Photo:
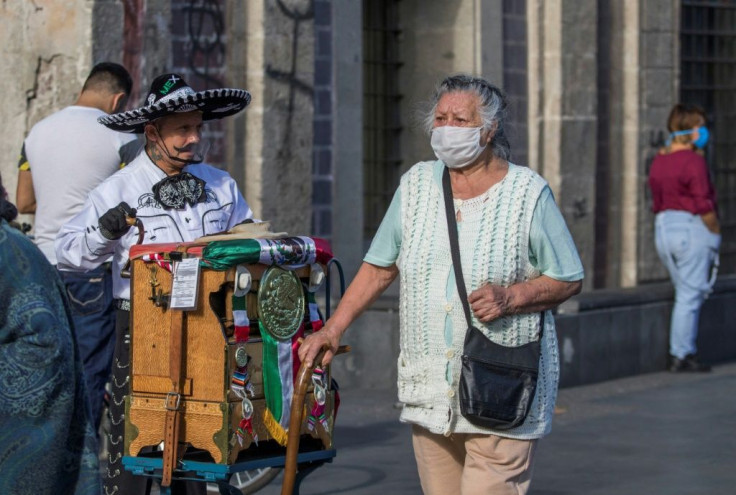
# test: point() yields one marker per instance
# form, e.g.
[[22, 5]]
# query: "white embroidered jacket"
[[80, 246]]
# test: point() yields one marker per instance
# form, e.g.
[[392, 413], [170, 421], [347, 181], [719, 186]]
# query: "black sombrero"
[[170, 94]]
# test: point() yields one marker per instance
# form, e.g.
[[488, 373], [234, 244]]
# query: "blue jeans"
[[90, 298], [688, 250]]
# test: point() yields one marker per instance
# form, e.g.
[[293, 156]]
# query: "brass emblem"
[[281, 302]]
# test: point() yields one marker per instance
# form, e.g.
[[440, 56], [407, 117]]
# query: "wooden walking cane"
[[303, 379]]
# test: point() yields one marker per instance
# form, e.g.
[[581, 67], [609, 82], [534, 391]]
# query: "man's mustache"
[[185, 149]]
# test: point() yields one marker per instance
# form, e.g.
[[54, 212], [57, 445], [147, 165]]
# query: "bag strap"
[[454, 247], [455, 251]]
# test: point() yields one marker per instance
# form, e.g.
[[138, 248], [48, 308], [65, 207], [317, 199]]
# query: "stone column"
[[271, 54], [628, 205], [640, 78], [562, 110], [438, 39], [659, 91], [490, 34]]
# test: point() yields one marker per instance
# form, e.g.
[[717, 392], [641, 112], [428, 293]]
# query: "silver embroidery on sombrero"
[[179, 93]]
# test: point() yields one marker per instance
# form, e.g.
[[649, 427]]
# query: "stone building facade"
[[264, 46], [338, 87], [590, 86]]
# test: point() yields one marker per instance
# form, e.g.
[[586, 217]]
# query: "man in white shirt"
[[174, 195], [63, 158]]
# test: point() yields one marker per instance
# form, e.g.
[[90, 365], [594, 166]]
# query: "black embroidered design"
[[177, 191], [147, 200]]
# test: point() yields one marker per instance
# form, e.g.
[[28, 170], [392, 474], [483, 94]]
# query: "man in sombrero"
[[177, 199]]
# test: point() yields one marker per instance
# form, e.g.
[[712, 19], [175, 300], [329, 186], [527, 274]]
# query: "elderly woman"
[[518, 259]]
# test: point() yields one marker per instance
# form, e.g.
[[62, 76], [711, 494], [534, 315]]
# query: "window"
[[708, 69], [381, 98]]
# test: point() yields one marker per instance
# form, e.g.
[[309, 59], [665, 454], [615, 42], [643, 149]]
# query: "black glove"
[[113, 223]]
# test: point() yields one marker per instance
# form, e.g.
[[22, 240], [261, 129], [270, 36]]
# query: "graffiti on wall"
[[198, 49], [205, 43]]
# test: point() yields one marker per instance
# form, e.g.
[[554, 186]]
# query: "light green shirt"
[[551, 248]]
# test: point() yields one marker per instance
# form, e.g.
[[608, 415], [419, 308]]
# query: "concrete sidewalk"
[[652, 434]]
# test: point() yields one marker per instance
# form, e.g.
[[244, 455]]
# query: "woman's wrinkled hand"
[[490, 302], [313, 344]]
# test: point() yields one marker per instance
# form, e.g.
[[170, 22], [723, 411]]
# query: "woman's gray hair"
[[492, 108]]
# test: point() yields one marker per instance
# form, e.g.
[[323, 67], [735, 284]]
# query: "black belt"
[[123, 304]]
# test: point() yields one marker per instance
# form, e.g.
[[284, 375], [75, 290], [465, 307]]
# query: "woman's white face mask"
[[458, 147]]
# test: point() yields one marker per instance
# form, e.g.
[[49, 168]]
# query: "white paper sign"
[[185, 285]]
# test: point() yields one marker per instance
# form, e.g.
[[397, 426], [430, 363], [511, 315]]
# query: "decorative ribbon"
[[221, 255], [240, 382], [318, 379], [158, 258], [289, 251], [315, 317], [317, 414], [280, 364], [240, 319], [246, 424], [320, 398]]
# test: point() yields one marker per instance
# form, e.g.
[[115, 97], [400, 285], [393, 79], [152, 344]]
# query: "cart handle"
[[303, 379], [133, 222]]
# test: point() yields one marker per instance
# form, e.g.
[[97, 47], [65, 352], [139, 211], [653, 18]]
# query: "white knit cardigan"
[[494, 245]]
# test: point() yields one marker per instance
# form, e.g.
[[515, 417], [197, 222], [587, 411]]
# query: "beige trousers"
[[466, 464]]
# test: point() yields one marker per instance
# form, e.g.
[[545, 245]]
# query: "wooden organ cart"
[[216, 386]]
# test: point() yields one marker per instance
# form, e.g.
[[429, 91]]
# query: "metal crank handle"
[[136, 222], [133, 222]]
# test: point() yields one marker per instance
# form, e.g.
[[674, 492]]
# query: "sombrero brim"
[[213, 103]]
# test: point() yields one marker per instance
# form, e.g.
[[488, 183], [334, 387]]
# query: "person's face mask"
[[457, 146], [703, 136]]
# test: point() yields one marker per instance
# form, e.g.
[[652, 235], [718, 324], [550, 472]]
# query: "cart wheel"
[[249, 481]]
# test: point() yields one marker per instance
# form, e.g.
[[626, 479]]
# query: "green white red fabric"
[[280, 364]]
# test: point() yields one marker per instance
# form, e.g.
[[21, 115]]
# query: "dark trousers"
[[117, 480], [93, 312]]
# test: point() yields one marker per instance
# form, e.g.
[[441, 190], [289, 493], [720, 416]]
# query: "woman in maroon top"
[[687, 231]]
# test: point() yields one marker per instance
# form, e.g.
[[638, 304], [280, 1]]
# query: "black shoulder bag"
[[497, 383]]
